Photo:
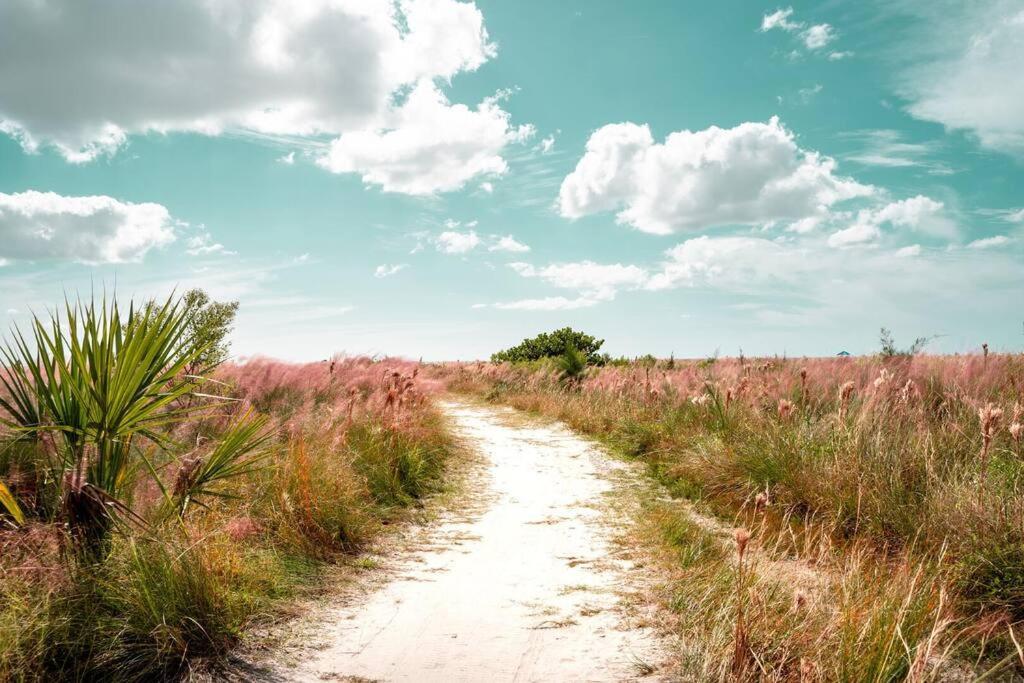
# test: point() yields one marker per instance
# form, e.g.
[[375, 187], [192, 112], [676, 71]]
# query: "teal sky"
[[440, 179]]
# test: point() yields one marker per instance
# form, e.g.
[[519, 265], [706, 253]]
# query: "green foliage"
[[92, 391], [162, 606], [209, 324], [140, 616], [993, 575], [572, 364], [8, 503], [552, 345], [889, 349], [636, 437], [237, 453], [398, 469], [647, 361]]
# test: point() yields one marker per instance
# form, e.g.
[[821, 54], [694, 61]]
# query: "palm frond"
[[8, 502], [239, 451]]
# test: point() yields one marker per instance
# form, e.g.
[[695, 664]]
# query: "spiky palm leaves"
[[91, 388], [572, 364], [238, 452]]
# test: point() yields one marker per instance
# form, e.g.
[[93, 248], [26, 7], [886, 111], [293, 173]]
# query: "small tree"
[[889, 349], [209, 325], [552, 345]]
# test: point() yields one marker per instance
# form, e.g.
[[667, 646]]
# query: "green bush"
[[552, 345]]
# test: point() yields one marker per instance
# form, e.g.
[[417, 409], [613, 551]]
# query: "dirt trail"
[[526, 584]]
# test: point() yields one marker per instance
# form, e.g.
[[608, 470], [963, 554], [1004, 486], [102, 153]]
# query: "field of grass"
[[226, 493], [844, 519], [882, 498]]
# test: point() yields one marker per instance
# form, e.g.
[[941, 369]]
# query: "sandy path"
[[527, 585]]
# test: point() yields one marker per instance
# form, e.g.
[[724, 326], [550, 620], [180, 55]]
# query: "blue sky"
[[440, 179]]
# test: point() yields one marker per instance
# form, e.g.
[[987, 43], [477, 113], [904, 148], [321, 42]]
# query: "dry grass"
[[356, 441], [894, 482]]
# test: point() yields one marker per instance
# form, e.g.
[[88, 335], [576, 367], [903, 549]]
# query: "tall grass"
[[150, 517], [908, 468]]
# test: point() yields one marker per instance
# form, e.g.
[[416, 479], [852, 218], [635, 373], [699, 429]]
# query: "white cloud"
[[814, 37], [510, 244], [594, 281], [857, 234], [839, 54], [807, 94], [919, 214], [805, 225], [966, 71], [387, 270], [547, 144], [90, 229], [487, 187], [550, 303], [818, 36], [889, 148], [453, 242], [202, 244], [267, 67], [804, 280], [989, 242], [1015, 216], [780, 19], [829, 279], [706, 260], [288, 159], [428, 146], [751, 174]]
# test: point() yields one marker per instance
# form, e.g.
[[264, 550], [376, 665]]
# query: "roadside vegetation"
[[554, 344], [851, 519], [156, 499]]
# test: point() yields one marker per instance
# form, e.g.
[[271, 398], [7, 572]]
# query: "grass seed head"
[[742, 538], [990, 416], [785, 408], [1016, 430]]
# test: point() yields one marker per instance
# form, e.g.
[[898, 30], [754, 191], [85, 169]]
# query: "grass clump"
[[154, 507], [897, 477]]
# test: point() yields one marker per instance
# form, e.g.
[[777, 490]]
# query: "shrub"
[[572, 364], [552, 345], [200, 514]]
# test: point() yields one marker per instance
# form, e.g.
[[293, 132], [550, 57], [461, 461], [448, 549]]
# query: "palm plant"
[[238, 452], [572, 364], [90, 391]]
